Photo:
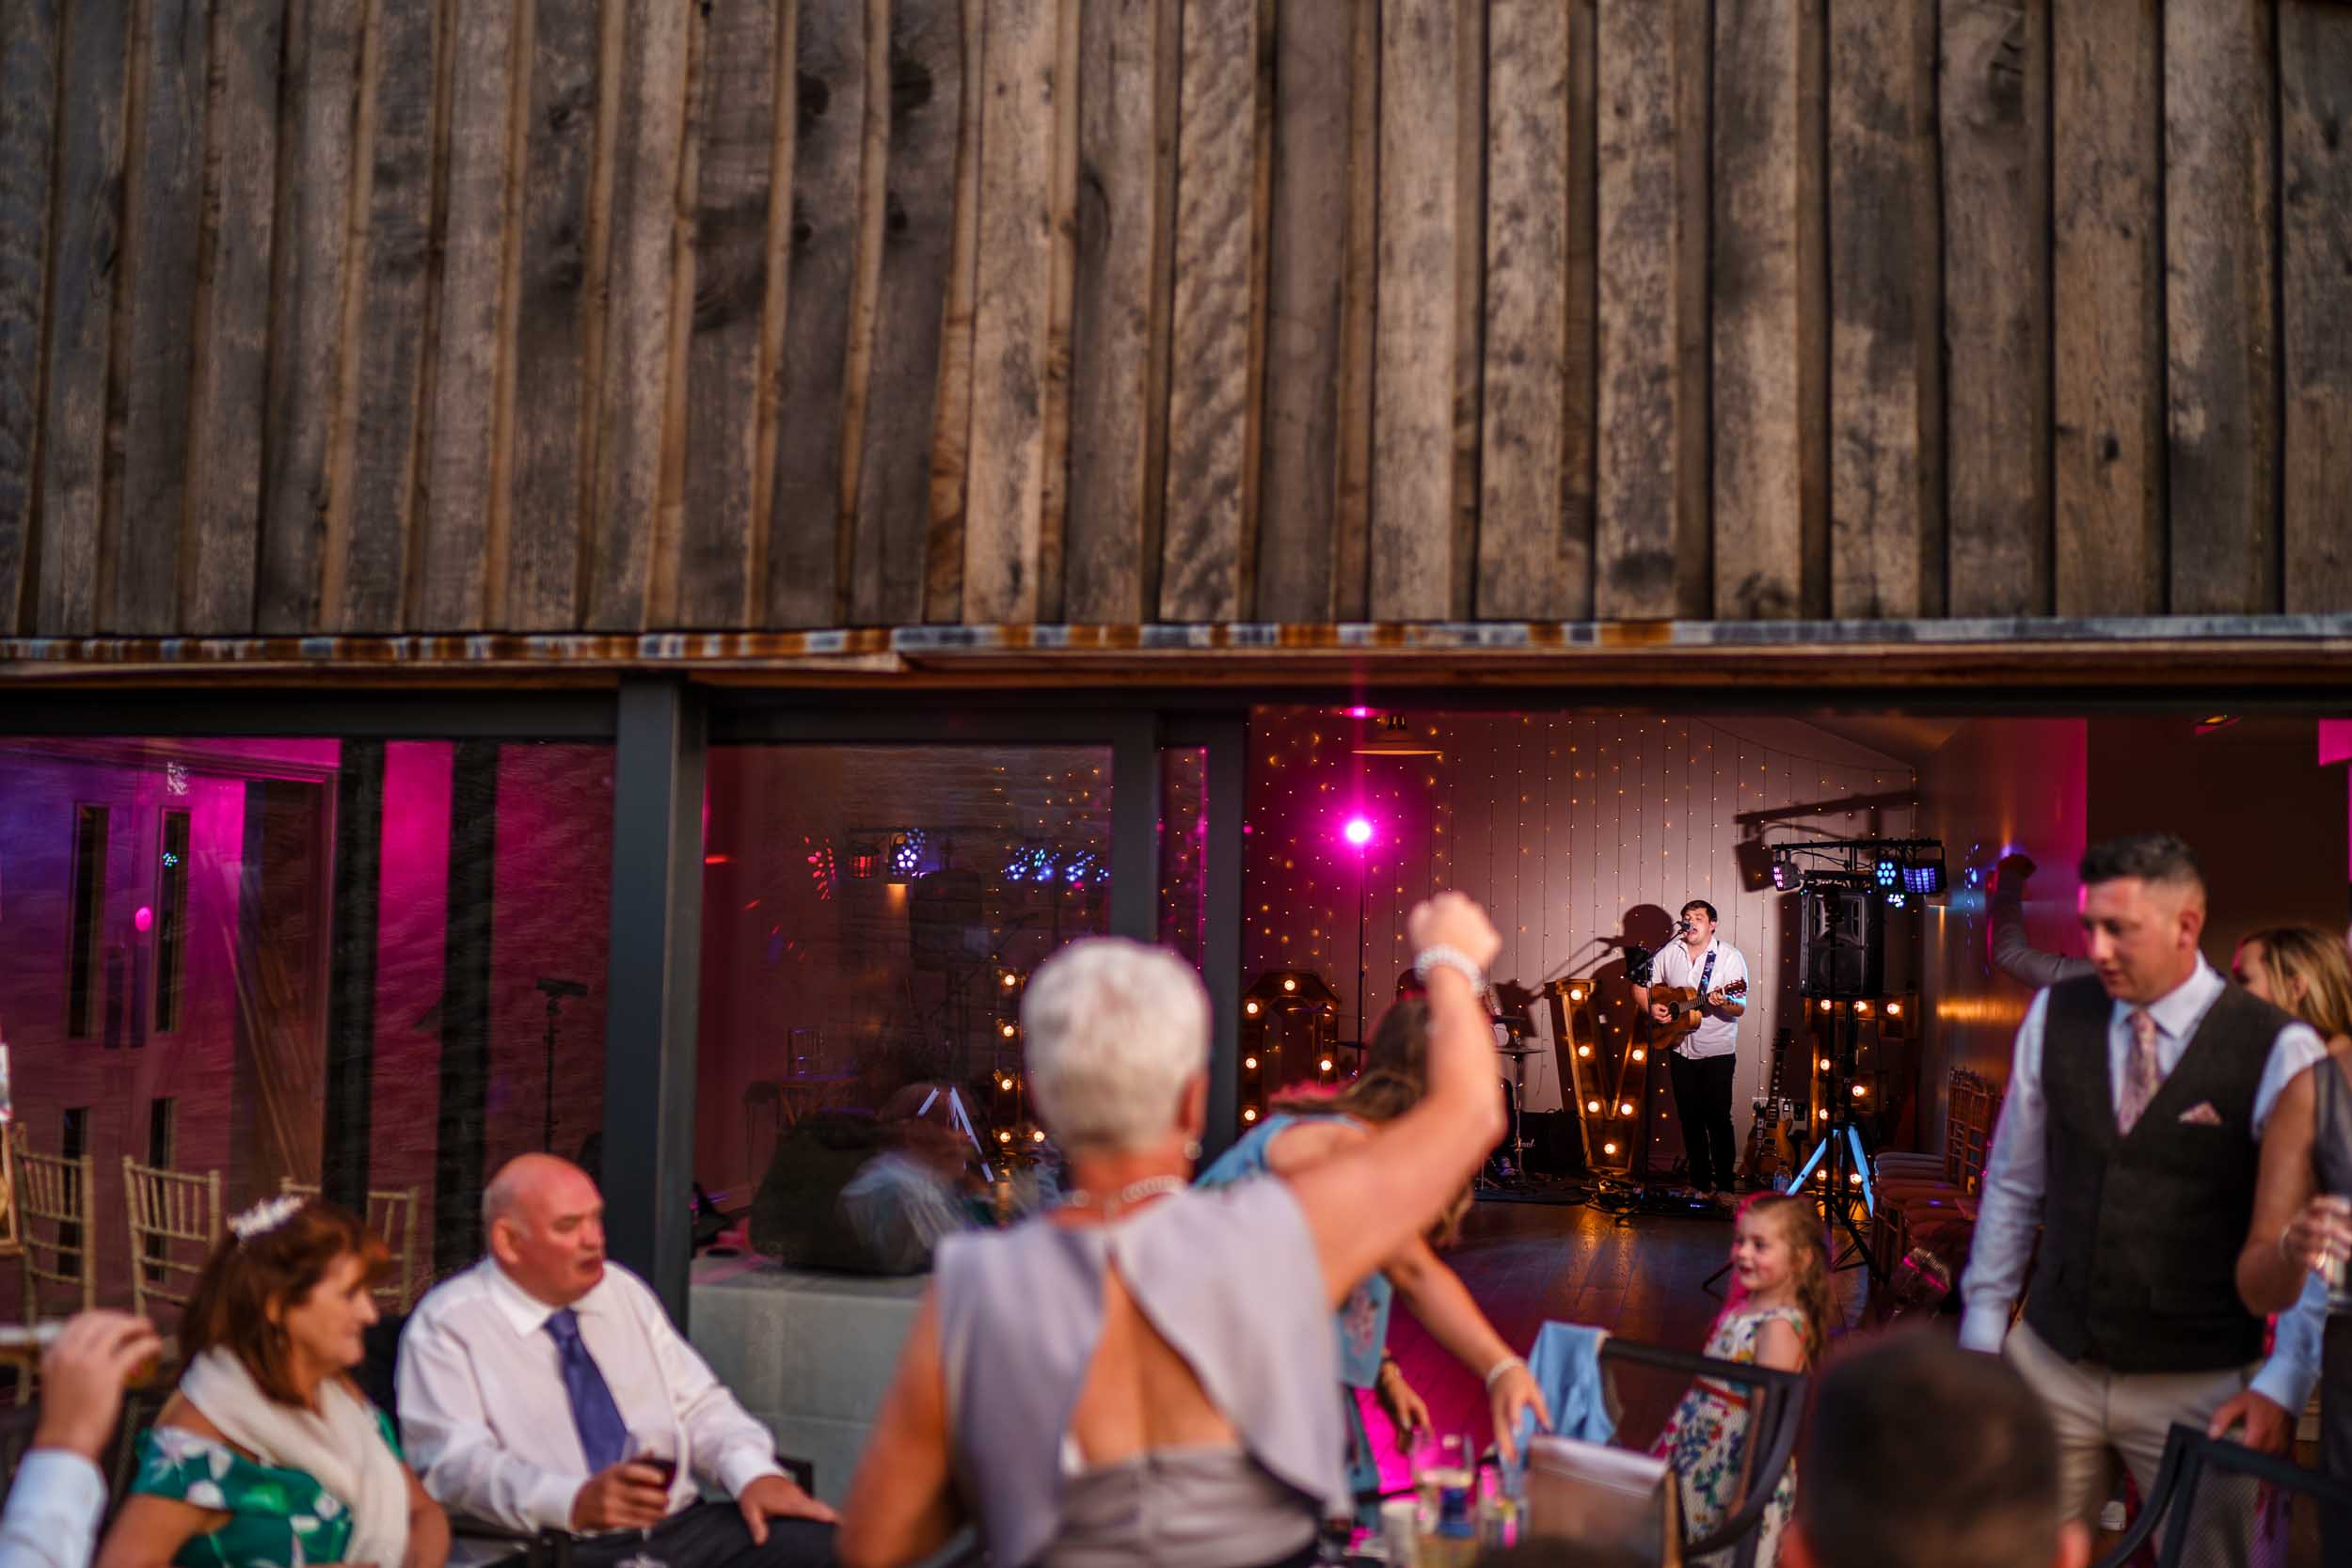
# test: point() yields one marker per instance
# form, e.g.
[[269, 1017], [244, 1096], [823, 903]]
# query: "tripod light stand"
[[1840, 1152]]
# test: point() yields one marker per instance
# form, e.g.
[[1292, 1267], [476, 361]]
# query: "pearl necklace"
[[1133, 1191]]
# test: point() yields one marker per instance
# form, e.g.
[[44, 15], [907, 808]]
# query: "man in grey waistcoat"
[[2130, 1134]]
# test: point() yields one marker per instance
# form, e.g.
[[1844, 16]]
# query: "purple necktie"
[[603, 1436]]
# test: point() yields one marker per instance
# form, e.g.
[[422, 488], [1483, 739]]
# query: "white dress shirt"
[[488, 1427], [52, 1512], [1718, 1034], [2015, 1173]]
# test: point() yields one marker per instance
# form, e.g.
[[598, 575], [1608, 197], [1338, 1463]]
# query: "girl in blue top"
[[1302, 1132]]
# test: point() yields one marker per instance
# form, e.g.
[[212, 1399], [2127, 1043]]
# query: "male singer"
[[1702, 1063]]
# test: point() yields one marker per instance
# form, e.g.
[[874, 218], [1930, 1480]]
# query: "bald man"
[[536, 1386], [2130, 1134]]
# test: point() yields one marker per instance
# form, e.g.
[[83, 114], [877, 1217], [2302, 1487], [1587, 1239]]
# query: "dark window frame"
[[172, 918], [85, 919]]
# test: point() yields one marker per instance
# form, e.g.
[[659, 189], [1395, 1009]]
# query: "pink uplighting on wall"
[[1358, 831]]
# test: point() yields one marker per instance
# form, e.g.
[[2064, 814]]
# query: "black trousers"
[[1702, 1101], [712, 1535]]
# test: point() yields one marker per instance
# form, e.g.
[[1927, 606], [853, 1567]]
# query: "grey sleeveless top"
[[2332, 1128], [1230, 1280]]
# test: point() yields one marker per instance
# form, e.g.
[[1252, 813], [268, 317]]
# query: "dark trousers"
[[712, 1535], [1702, 1101]]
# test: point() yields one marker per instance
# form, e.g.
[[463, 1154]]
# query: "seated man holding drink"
[[545, 1388]]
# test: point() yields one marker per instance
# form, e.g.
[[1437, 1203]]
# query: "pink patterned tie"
[[2141, 1071]]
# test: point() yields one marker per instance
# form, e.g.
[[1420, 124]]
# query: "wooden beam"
[[372, 491], [152, 368], [1531, 563], [1416, 558], [558, 317], [1128, 59], [29, 122], [829, 108], [2107, 309], [2315, 109], [634, 388], [951, 426], [85, 256], [927, 95], [1307, 293], [1887, 495], [306, 341], [1652, 411], [1770, 321], [737, 178], [2220, 101], [1992, 106], [463, 508], [1214, 403], [1003, 546], [1351, 526]]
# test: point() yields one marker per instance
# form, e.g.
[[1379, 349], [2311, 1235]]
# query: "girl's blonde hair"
[[2311, 956], [1808, 1248]]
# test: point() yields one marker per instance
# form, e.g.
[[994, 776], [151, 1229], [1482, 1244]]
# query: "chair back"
[[392, 1215], [175, 1224], [54, 1213], [2306, 1503], [1775, 1400]]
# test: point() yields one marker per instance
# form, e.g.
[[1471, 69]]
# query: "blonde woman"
[[2302, 1220]]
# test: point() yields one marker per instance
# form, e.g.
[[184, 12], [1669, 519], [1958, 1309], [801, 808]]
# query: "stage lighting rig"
[[1897, 869]]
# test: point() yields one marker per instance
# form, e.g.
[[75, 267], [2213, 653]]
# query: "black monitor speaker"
[[1841, 944]]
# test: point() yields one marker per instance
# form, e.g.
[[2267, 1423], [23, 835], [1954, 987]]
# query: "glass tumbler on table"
[[1445, 1483]]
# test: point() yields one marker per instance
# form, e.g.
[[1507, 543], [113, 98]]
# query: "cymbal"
[[1511, 997]]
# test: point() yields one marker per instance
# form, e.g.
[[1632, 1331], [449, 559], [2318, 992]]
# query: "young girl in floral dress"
[[1778, 1316]]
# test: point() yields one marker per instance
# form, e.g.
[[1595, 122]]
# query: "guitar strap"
[[1706, 971]]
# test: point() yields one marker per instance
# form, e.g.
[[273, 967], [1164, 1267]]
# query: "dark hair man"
[[2132, 1132], [1920, 1455], [1702, 1062]]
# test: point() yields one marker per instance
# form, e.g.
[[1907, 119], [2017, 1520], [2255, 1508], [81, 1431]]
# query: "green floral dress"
[[280, 1518]]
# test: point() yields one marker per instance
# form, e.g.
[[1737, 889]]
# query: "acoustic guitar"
[[1771, 1153], [1685, 1001]]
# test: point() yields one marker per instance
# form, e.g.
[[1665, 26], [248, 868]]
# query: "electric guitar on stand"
[[1688, 1002], [1771, 1155]]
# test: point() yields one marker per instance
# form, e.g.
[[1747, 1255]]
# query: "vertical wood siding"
[[366, 316]]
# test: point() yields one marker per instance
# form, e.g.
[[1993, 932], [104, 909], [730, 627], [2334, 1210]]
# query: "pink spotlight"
[[1359, 713], [1358, 831], [144, 918]]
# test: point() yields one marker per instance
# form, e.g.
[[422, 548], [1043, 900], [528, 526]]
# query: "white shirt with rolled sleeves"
[[488, 1428], [1717, 1034], [2015, 1173]]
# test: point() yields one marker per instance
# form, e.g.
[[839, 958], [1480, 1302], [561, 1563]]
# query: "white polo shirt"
[[1717, 1034]]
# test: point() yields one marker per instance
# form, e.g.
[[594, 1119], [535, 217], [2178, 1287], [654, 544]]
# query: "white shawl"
[[340, 1447]]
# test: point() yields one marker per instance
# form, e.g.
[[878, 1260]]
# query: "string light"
[[1585, 851]]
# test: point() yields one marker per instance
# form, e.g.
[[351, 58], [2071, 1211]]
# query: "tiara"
[[265, 1217]]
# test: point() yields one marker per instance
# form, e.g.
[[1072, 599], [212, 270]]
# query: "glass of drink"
[[657, 1449], [2335, 1263], [1445, 1477]]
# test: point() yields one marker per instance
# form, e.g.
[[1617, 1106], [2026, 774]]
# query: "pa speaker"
[[1841, 944]]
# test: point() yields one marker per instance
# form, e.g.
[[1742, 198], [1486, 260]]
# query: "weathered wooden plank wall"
[[362, 317]]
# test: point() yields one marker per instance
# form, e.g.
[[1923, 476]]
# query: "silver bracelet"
[[1444, 956], [1495, 1373]]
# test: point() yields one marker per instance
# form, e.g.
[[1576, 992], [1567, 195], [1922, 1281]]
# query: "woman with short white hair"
[[1144, 1375]]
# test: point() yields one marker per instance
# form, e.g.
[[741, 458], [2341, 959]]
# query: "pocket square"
[[2200, 1114]]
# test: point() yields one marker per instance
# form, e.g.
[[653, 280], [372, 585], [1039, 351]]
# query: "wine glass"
[[657, 1449]]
